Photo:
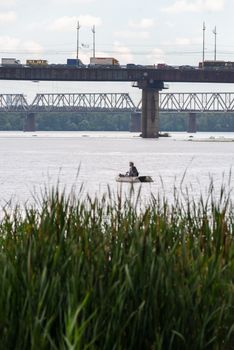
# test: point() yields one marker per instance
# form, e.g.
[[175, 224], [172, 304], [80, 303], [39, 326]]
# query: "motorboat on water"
[[134, 179]]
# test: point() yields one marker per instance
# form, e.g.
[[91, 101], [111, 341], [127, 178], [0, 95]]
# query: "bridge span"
[[193, 103], [149, 80], [198, 102], [145, 76]]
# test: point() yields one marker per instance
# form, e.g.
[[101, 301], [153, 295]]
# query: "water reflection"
[[30, 161]]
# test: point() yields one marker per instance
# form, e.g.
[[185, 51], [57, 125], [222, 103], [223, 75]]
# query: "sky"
[[133, 31]]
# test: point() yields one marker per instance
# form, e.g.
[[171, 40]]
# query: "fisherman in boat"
[[132, 176], [132, 170]]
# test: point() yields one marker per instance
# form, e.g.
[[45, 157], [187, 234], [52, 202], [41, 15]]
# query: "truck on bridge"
[[8, 61], [74, 62], [104, 61]]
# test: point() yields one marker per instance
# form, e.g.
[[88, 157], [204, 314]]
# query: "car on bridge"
[[186, 67], [164, 66]]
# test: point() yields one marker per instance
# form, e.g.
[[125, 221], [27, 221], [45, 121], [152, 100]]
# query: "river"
[[31, 161]]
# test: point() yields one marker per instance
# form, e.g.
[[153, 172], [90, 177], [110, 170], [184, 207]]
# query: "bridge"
[[70, 102], [114, 102], [145, 76], [149, 79]]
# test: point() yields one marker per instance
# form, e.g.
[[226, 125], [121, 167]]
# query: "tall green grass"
[[104, 274]]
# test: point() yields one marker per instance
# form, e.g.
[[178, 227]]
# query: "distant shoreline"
[[212, 139]]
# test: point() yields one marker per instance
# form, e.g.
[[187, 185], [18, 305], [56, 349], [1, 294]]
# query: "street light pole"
[[203, 43], [215, 34], [77, 42], [93, 31]]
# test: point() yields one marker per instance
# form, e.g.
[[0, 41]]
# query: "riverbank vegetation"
[[108, 274], [104, 121]]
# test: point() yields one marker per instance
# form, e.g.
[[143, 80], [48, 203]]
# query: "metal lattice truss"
[[168, 102], [197, 102], [13, 103], [83, 102]]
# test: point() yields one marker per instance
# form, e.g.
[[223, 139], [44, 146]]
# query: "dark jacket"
[[133, 171]]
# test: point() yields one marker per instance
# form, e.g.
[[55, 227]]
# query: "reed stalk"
[[107, 274]]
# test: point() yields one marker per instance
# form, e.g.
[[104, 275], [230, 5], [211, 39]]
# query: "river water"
[[31, 161]]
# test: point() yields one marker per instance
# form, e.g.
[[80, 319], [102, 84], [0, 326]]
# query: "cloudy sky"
[[133, 31]]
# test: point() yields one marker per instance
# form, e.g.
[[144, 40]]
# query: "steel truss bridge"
[[115, 102]]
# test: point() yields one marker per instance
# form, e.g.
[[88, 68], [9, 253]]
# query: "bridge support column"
[[150, 113], [135, 122], [150, 106], [192, 123], [29, 122]]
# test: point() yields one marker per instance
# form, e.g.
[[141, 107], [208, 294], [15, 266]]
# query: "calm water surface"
[[29, 161]]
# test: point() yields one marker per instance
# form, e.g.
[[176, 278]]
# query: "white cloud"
[[6, 17], [123, 53], [195, 6], [69, 23], [156, 56], [31, 47], [183, 41], [142, 24], [186, 41], [71, 1], [89, 21], [10, 44], [126, 34], [7, 3], [170, 24]]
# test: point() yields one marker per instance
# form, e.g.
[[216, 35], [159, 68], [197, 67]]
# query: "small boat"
[[134, 179]]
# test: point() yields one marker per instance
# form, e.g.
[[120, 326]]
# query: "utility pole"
[[203, 43], [215, 34], [77, 41], [93, 31]]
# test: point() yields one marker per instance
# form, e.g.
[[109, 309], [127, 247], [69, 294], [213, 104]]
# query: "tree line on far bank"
[[104, 121]]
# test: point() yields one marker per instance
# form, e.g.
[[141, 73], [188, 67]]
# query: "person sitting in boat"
[[133, 170]]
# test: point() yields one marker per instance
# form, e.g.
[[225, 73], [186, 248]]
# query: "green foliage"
[[107, 274], [104, 121], [173, 122], [217, 122], [84, 122], [11, 121]]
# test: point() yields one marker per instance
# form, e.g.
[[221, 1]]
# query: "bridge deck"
[[57, 73]]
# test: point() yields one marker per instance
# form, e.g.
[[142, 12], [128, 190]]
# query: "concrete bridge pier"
[[150, 113], [192, 123], [150, 107], [29, 122]]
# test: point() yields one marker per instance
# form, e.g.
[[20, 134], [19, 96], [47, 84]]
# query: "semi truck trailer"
[[75, 62], [9, 61], [103, 61]]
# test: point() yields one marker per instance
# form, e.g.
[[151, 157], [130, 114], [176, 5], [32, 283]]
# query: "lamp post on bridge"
[[77, 42], [93, 31], [215, 37], [203, 43]]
